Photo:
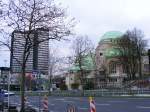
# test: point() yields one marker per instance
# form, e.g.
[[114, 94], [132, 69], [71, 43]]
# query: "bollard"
[[71, 108], [25, 100], [45, 104], [92, 105]]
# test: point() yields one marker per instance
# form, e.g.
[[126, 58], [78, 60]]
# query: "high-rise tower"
[[39, 53]]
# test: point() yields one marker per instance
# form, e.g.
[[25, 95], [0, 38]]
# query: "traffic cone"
[[92, 105], [45, 104]]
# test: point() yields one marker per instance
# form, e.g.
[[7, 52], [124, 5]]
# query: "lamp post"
[[8, 87], [39, 87], [69, 61], [149, 58], [38, 83], [8, 83]]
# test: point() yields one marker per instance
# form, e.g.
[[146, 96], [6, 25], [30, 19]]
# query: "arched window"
[[112, 67]]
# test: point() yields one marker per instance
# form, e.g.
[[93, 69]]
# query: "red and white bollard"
[[25, 100], [45, 104], [92, 105]]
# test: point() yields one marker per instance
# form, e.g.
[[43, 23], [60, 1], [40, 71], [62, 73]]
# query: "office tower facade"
[[39, 54]]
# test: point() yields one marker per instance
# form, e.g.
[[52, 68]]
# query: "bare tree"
[[54, 61], [82, 47], [140, 45], [149, 58], [26, 16], [133, 46]]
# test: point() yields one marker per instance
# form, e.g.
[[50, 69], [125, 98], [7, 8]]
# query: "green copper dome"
[[113, 52], [87, 64], [111, 35]]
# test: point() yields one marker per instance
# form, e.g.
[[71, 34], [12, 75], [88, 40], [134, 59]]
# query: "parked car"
[[6, 93]]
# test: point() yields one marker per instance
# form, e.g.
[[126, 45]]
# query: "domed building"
[[110, 70]]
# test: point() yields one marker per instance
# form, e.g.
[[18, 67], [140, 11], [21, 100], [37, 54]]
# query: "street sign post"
[[37, 76], [1, 99], [149, 58], [35, 73]]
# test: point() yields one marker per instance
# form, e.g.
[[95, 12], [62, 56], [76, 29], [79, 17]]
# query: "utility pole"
[[149, 58]]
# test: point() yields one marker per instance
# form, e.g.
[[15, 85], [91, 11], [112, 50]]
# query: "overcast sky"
[[95, 17]]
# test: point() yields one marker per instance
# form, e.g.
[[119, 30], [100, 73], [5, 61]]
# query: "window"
[[146, 67], [112, 80], [112, 67], [101, 54]]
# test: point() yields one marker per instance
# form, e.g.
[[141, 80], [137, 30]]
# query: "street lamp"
[[149, 58], [8, 83]]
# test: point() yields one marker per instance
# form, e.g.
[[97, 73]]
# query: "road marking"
[[74, 98], [143, 107], [136, 98], [68, 101], [82, 108], [60, 99], [102, 104], [117, 101], [52, 104]]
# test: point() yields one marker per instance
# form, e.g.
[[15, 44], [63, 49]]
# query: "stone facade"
[[110, 69]]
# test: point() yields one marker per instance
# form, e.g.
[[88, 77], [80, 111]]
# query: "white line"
[[136, 98], [117, 101], [103, 104], [143, 107], [59, 99], [82, 108], [75, 98], [68, 101], [52, 104]]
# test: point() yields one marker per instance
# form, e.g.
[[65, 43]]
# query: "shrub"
[[63, 87], [75, 86], [88, 86]]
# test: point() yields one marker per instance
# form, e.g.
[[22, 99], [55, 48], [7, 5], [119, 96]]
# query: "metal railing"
[[102, 93]]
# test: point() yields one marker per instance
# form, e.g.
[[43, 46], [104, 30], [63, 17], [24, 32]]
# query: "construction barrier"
[[45, 104], [92, 105]]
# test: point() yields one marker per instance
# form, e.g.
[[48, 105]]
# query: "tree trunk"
[[149, 59], [82, 78], [23, 89], [140, 68], [23, 71]]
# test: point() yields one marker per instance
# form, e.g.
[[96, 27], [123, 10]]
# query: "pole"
[[8, 88], [39, 102], [149, 59], [39, 91]]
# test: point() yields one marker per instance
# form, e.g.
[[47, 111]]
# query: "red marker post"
[[45, 104], [25, 100], [92, 105]]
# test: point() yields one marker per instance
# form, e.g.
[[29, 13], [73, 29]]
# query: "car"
[[7, 93]]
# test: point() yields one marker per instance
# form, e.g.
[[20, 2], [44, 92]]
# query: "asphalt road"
[[59, 104]]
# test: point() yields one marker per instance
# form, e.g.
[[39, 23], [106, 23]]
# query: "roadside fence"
[[101, 93]]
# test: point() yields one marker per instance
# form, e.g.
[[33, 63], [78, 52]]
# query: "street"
[[59, 104]]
